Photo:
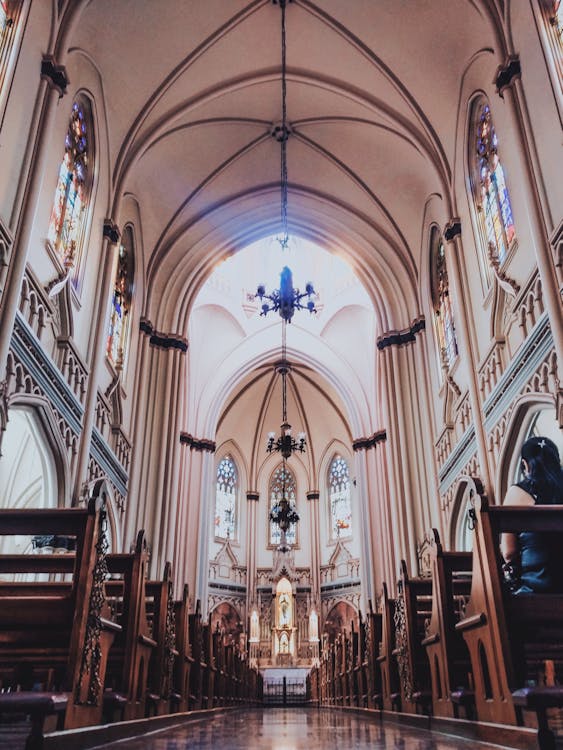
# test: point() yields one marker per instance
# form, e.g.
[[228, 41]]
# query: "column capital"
[[508, 73], [163, 340], [111, 231], [398, 338], [452, 229], [54, 74], [197, 444], [365, 443], [313, 495], [253, 495]]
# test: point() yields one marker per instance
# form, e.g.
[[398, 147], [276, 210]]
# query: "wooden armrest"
[[110, 625], [31, 702], [430, 639], [471, 622], [539, 697], [146, 641]]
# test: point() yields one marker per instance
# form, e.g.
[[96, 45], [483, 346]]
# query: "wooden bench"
[[412, 613], [510, 637], [387, 664], [128, 665], [374, 622], [55, 635], [198, 663], [159, 604], [448, 657], [182, 665]]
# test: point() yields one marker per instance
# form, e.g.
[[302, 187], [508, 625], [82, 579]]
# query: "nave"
[[296, 729]]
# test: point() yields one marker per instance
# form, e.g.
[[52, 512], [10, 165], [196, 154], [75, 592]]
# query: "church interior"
[[280, 301]]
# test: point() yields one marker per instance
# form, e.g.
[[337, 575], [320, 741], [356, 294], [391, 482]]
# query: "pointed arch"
[[282, 484], [339, 498], [227, 490], [493, 210], [122, 298], [69, 215], [443, 315]]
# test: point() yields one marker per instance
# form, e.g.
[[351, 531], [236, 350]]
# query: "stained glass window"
[[441, 302], [73, 187], [226, 499], [121, 300], [282, 484], [339, 498], [493, 200]]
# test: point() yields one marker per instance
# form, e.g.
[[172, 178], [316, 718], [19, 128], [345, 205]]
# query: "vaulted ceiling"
[[192, 92]]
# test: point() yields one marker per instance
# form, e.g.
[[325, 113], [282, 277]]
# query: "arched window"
[[121, 300], [339, 498], [68, 217], [491, 193], [282, 484], [441, 302], [9, 16], [226, 499]]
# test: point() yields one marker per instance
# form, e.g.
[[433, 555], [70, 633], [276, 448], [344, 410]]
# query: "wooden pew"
[[448, 657], [182, 665], [373, 626], [57, 634], [508, 637], [387, 664], [160, 613], [128, 665], [412, 611], [198, 664]]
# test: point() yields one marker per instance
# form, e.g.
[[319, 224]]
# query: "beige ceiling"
[[192, 91]]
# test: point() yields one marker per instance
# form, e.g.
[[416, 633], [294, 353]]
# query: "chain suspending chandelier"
[[285, 444], [287, 299]]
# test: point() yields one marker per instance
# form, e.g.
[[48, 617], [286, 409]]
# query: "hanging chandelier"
[[287, 299], [283, 512], [285, 444]]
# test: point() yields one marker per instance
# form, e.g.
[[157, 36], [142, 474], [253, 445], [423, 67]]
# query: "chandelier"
[[285, 444], [283, 513], [287, 299]]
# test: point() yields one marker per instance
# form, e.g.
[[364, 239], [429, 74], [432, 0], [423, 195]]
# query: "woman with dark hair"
[[534, 562]]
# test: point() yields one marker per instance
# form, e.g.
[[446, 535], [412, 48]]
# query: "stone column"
[[111, 237], [467, 345], [315, 546], [252, 500], [509, 86], [52, 87]]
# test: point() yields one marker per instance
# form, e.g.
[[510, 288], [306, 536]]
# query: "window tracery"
[[226, 499], [339, 498], [441, 302], [282, 484], [491, 192], [66, 226], [118, 332]]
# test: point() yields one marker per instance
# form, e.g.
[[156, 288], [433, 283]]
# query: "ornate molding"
[[197, 444], [54, 74], [506, 74], [365, 443], [253, 496], [111, 231], [313, 495], [398, 338], [163, 340], [452, 229]]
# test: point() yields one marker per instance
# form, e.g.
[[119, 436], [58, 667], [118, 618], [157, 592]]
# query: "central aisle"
[[295, 729]]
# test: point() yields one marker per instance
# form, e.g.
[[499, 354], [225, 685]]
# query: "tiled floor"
[[295, 729]]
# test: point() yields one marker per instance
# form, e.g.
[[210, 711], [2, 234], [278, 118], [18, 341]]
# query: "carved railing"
[[72, 367], [492, 368], [111, 432], [34, 305], [529, 306], [444, 445], [463, 417]]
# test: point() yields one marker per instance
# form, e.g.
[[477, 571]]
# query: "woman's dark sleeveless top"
[[541, 554]]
